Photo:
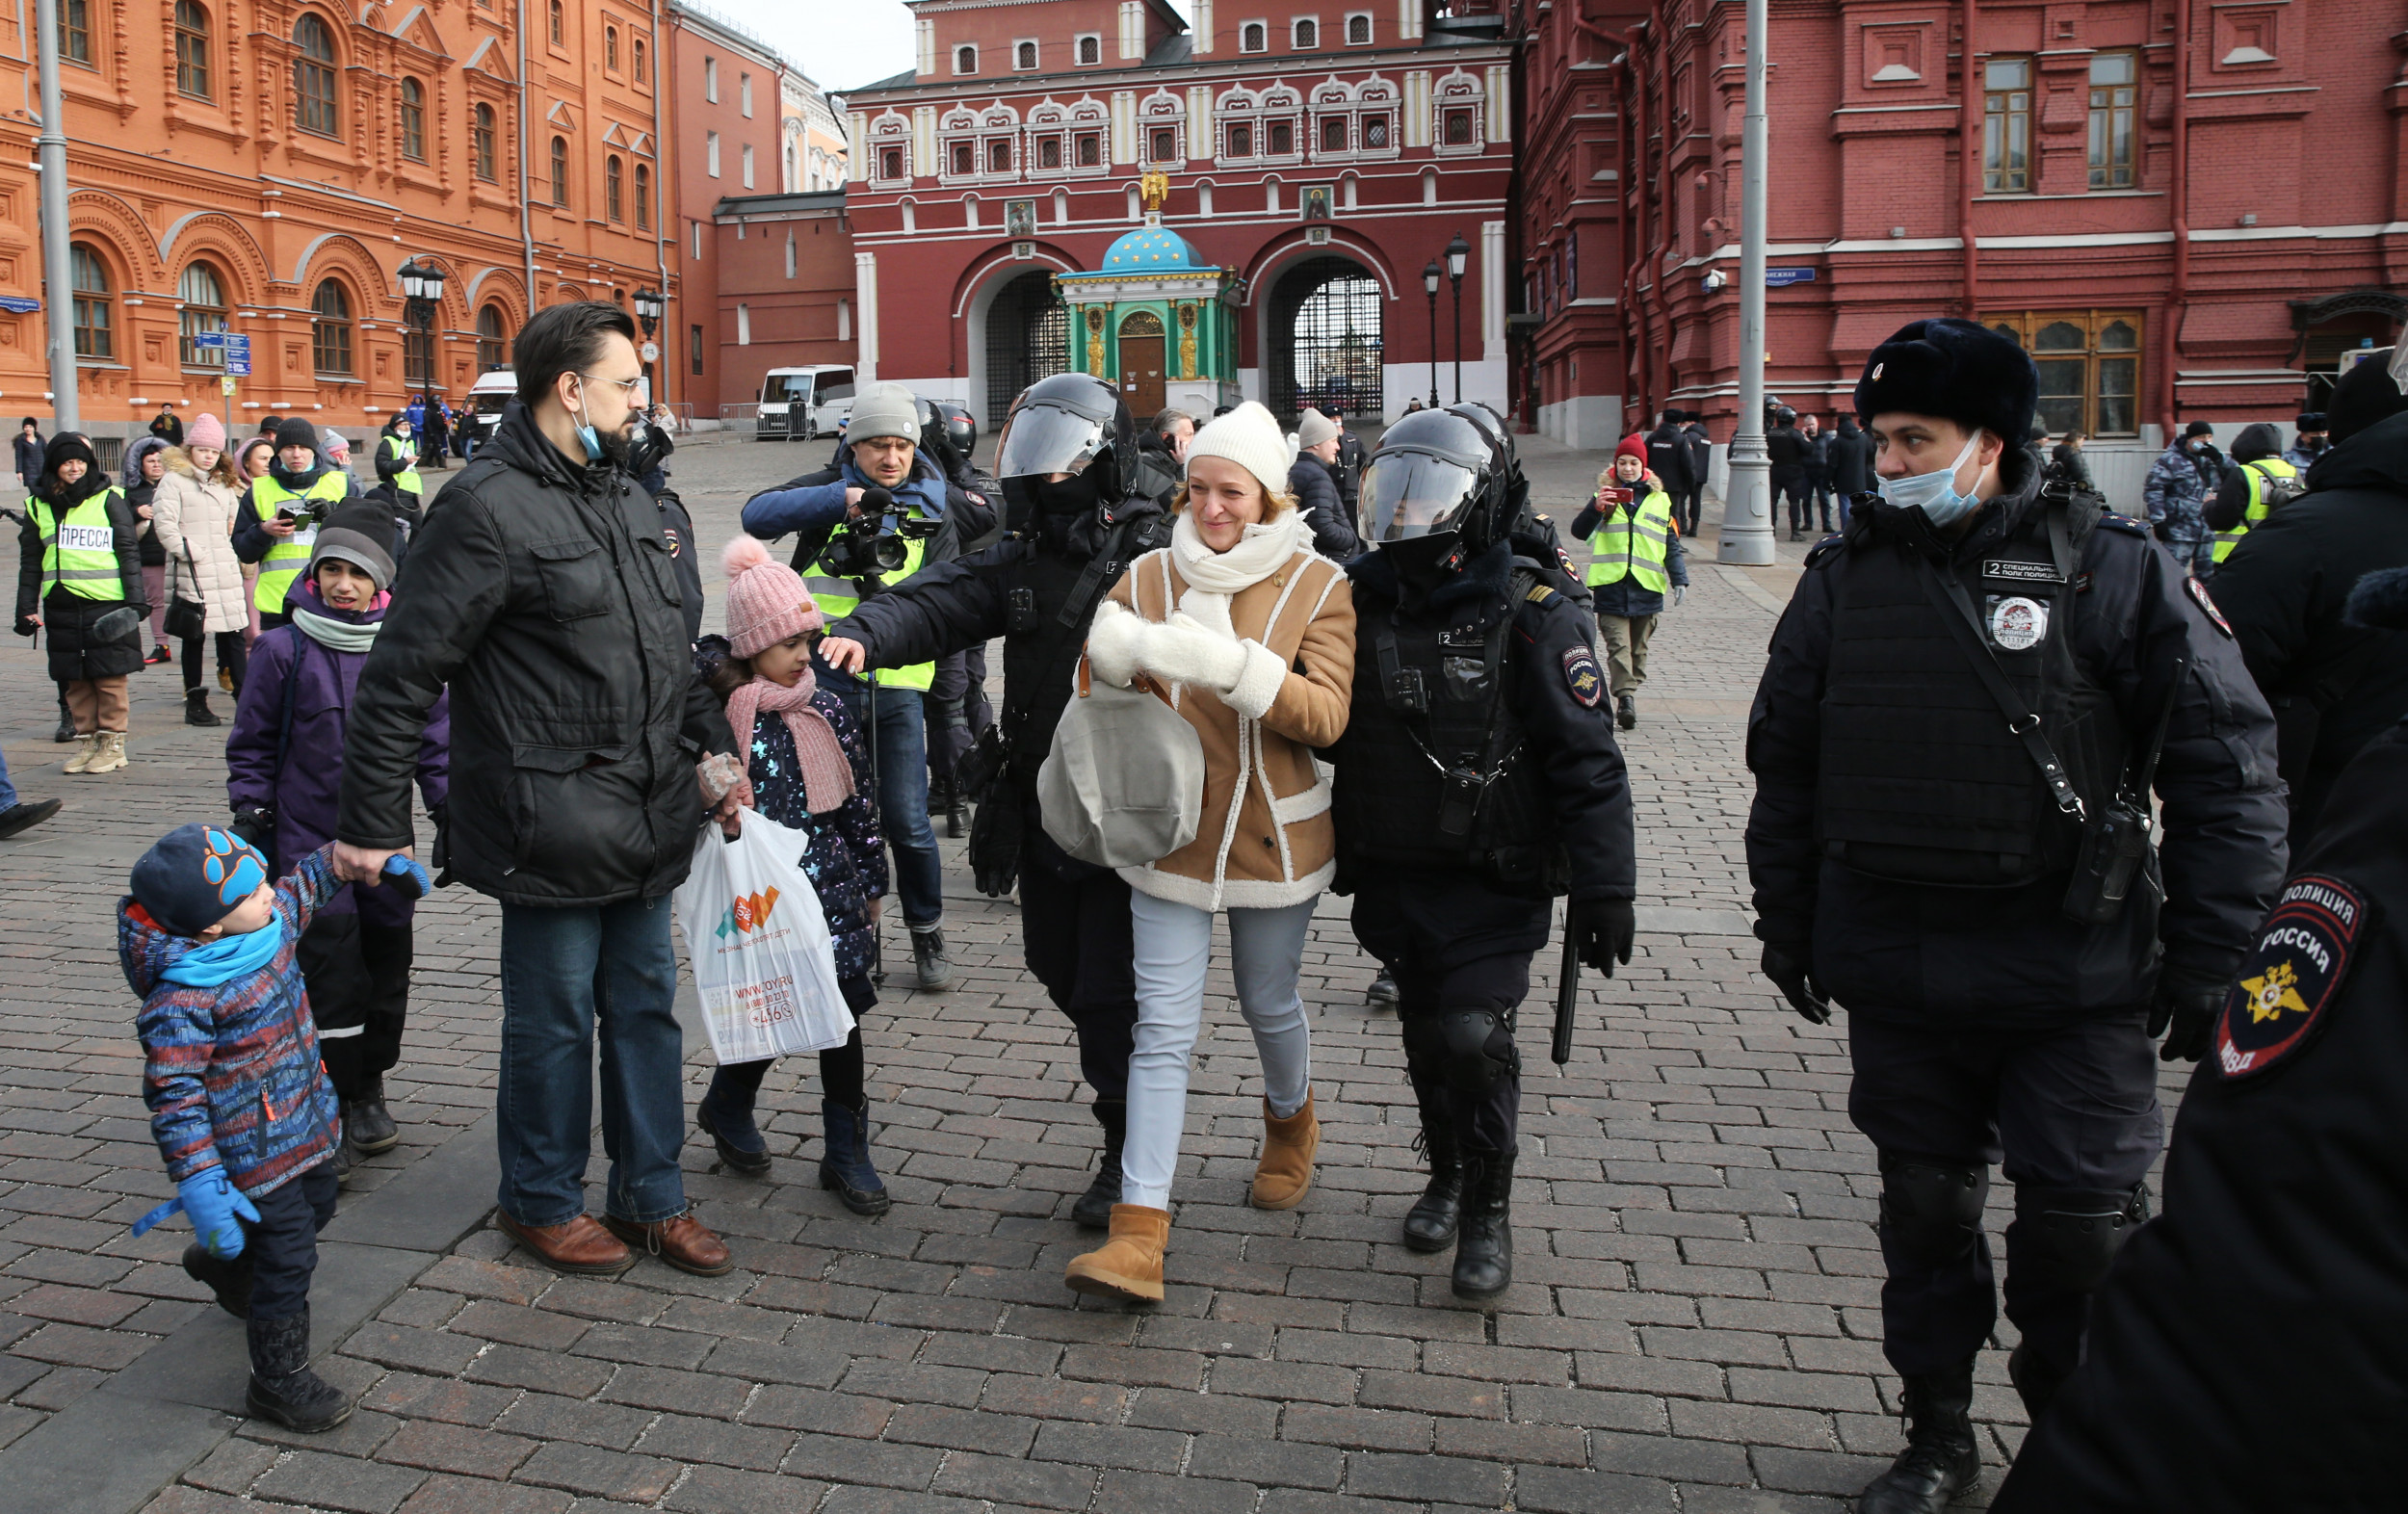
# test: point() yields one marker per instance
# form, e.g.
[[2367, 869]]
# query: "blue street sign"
[[237, 354], [1777, 277], [209, 339], [19, 304]]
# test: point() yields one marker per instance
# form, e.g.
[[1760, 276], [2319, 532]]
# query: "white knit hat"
[[1250, 437], [1313, 428]]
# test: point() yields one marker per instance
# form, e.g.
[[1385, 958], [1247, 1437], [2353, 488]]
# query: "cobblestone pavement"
[[1695, 1324]]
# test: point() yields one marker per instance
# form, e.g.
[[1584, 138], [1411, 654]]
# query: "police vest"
[[1919, 778], [1434, 714], [79, 551], [1632, 543], [1048, 601], [289, 555], [837, 596], [407, 481], [2272, 481]]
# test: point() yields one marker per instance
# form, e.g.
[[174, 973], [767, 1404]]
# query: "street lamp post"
[[1457, 251], [1746, 536], [1429, 282], [650, 307], [58, 285], [422, 296]]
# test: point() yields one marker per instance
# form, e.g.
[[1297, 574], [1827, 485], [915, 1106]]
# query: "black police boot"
[[1430, 1224], [1941, 1459], [1483, 1244], [372, 1127], [1383, 989], [1093, 1210], [1626, 710], [227, 1277], [197, 711], [2035, 1382], [282, 1387], [66, 732]]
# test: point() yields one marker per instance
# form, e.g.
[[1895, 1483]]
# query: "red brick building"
[[784, 272], [2178, 213], [725, 125], [1322, 153]]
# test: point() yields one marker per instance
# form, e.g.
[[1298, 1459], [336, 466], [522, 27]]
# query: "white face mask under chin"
[[1936, 493]]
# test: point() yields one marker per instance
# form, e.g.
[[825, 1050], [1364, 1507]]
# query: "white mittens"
[[1112, 644], [1121, 644], [1181, 651]]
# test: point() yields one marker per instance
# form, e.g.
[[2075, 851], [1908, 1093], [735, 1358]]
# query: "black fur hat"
[[2367, 394], [1956, 369], [2380, 601]]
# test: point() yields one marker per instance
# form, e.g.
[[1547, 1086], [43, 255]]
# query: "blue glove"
[[214, 1204], [408, 876]]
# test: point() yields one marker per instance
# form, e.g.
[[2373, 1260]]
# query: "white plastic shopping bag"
[[762, 960]]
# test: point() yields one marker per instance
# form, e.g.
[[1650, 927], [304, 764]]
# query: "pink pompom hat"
[[766, 600]]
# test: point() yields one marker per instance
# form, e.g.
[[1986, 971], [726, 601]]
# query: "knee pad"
[[1480, 1048], [1933, 1210], [2067, 1241]]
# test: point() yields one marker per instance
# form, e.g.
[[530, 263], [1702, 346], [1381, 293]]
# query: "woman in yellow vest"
[[81, 580], [276, 524], [1636, 556]]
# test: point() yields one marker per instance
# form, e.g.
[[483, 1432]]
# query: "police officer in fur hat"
[[1967, 706]]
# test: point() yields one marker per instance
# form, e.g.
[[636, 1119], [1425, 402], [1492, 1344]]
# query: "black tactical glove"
[[1602, 931], [258, 827], [1788, 975], [2162, 529], [2189, 1006], [27, 625]]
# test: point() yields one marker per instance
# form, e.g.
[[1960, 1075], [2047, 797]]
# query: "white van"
[[488, 396], [799, 404]]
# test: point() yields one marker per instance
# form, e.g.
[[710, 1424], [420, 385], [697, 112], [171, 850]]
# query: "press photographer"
[[276, 523]]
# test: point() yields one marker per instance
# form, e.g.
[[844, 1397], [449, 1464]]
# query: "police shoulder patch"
[[2125, 524], [1539, 594], [2288, 981], [1587, 681], [2198, 593]]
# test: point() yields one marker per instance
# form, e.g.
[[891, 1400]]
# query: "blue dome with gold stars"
[[1152, 249]]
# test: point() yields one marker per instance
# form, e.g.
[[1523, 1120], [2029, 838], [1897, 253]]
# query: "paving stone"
[[340, 1482]]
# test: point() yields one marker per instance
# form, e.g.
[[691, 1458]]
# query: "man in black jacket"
[[2335, 685], [1701, 458], [1914, 849], [1851, 465], [543, 593], [1076, 519], [1312, 478], [1786, 446], [1668, 458]]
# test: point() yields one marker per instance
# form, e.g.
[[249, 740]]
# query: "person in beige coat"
[[1250, 635], [192, 512]]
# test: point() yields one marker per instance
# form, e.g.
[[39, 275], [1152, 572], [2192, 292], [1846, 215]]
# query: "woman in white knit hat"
[[1250, 635]]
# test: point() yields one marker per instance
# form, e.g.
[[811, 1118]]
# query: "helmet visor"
[[1408, 494], [1040, 439]]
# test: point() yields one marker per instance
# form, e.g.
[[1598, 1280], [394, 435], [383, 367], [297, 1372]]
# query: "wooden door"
[[1142, 374]]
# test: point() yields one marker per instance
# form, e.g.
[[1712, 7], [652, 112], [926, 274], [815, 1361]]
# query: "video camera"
[[877, 539]]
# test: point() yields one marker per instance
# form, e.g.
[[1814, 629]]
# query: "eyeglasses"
[[627, 386]]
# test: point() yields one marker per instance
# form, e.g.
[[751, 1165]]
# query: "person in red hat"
[[1630, 528]]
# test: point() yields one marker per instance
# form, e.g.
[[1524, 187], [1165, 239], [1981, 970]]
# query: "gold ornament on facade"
[[1095, 340], [1187, 341], [1153, 189]]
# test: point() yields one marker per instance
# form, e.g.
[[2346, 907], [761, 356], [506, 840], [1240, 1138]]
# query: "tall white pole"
[[1748, 500], [58, 285]]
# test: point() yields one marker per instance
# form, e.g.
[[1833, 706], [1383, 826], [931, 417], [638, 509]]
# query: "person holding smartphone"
[[1631, 529]]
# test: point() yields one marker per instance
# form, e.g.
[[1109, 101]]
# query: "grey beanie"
[[1313, 428], [360, 534], [884, 410]]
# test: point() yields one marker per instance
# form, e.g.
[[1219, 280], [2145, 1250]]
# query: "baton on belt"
[[1567, 995]]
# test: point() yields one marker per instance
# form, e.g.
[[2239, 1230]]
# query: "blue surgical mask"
[[586, 433], [1934, 493]]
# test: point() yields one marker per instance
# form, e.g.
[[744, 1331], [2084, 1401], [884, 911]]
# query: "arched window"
[[1308, 34], [560, 26], [96, 309], [192, 49], [610, 48], [490, 342], [1358, 29], [643, 196], [1024, 55], [314, 109], [639, 78], [965, 60], [331, 329], [1250, 37], [481, 142], [611, 173], [560, 171], [1090, 49], [204, 298], [413, 121]]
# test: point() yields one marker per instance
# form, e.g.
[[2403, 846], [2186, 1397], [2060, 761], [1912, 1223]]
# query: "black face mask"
[[1420, 562], [1070, 496]]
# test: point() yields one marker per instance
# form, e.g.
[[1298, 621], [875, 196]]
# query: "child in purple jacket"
[[239, 1104], [284, 770]]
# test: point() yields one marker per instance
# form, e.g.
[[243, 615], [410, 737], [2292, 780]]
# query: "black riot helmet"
[[1436, 472], [1073, 424], [960, 427]]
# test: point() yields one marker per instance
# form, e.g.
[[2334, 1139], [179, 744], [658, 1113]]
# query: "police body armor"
[[1440, 774], [1920, 779]]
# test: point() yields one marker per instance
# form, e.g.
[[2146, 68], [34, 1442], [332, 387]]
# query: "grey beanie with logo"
[[884, 410]]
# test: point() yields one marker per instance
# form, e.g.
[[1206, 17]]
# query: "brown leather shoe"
[[684, 1242], [580, 1247]]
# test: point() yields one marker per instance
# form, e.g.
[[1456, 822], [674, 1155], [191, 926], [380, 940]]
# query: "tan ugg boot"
[[86, 747], [110, 755], [1130, 1265], [1285, 1174]]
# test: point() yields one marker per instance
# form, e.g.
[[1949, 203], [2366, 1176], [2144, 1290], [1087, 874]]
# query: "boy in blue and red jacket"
[[239, 1102]]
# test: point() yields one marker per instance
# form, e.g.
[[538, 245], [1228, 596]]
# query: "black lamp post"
[[1429, 282], [1457, 251], [422, 295], [649, 305]]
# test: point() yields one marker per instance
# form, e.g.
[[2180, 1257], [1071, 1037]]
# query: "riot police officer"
[[1067, 458], [1964, 708], [1477, 781]]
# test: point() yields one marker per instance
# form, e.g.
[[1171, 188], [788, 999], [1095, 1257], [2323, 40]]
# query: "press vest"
[[2271, 482], [286, 559], [838, 596], [1395, 781], [1919, 778], [79, 551], [1634, 543], [407, 481]]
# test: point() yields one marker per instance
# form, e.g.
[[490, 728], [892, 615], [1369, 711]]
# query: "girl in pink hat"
[[809, 772]]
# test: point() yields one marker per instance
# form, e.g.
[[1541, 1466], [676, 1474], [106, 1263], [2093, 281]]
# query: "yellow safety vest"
[[2256, 473], [285, 560], [79, 549], [407, 481], [837, 598], [1633, 543]]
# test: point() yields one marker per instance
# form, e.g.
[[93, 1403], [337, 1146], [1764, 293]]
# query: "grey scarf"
[[335, 636]]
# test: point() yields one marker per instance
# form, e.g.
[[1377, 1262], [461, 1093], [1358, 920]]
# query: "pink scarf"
[[826, 772]]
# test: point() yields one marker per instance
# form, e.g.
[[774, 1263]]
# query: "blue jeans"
[[902, 794], [8, 789], [568, 973]]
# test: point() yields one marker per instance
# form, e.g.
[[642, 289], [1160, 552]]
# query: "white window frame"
[[711, 153], [1295, 21], [1371, 29], [1264, 33], [748, 164], [1077, 50], [889, 131], [743, 323], [972, 48], [711, 80], [1458, 91], [744, 94], [1037, 55], [1296, 112]]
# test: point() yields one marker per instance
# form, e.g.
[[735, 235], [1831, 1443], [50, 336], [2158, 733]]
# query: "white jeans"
[[1173, 944]]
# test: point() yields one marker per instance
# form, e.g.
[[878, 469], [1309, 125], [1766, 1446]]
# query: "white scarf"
[[1213, 577]]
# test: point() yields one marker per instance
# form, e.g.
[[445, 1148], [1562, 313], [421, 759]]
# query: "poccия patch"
[[2288, 981]]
